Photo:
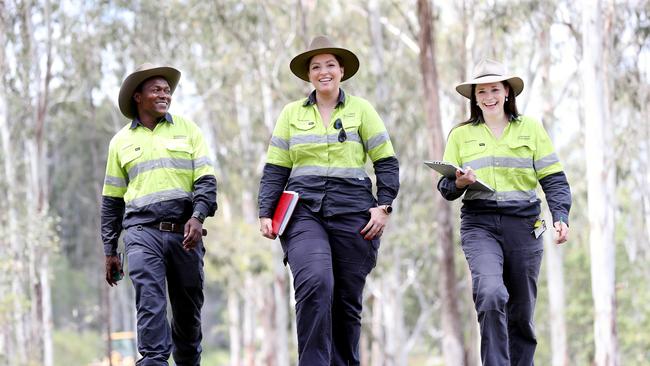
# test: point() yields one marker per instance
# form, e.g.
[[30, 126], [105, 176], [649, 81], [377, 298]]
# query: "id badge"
[[539, 228]]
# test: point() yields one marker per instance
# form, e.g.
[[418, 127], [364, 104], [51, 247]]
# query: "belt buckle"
[[166, 226]]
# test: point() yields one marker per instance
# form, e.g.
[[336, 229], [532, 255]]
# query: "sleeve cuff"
[[561, 217], [110, 249]]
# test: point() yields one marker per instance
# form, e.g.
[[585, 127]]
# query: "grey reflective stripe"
[[500, 162], [172, 194], [168, 163], [377, 140], [329, 172], [322, 139], [307, 139], [529, 196], [202, 161], [114, 181], [479, 163], [280, 143], [352, 136], [546, 161]]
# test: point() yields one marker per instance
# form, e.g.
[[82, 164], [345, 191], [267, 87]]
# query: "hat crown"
[[321, 42], [487, 67], [145, 66]]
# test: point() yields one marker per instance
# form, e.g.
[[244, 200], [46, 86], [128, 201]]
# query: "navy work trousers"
[[504, 258], [157, 258], [329, 260]]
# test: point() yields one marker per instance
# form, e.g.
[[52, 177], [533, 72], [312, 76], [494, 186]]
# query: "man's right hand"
[[112, 265], [266, 227]]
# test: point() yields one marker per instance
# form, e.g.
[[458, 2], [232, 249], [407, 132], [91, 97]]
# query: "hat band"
[[482, 76]]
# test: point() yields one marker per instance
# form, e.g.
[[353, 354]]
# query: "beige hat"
[[489, 71], [320, 45], [142, 73]]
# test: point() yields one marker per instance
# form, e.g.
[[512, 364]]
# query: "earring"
[[506, 98]]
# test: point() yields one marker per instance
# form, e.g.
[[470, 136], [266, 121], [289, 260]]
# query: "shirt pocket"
[[179, 150], [301, 126], [470, 152], [522, 153], [130, 156]]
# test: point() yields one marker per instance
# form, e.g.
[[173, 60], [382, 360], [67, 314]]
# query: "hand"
[[376, 225], [266, 227], [561, 232], [463, 179], [112, 265], [192, 235]]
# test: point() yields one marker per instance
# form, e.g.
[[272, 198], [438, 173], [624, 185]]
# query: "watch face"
[[388, 208]]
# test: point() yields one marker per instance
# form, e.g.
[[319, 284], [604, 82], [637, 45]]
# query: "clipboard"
[[449, 171]]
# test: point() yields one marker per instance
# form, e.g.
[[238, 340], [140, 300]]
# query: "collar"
[[167, 117], [311, 99]]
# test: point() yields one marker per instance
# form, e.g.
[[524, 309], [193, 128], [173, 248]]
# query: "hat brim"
[[125, 99], [300, 67], [465, 89]]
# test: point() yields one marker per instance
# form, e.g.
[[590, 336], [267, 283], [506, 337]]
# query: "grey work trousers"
[[329, 260], [156, 259], [504, 258]]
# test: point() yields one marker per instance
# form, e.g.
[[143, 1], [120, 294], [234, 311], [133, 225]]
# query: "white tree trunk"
[[554, 254], [600, 183], [281, 346], [233, 327]]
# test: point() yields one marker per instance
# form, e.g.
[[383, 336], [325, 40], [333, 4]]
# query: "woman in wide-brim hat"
[[318, 149], [501, 229]]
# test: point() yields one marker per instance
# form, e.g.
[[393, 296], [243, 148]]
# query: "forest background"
[[586, 67]]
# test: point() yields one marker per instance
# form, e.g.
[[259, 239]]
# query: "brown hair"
[[476, 115]]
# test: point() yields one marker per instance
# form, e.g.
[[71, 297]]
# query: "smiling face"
[[491, 98], [153, 98], [325, 73]]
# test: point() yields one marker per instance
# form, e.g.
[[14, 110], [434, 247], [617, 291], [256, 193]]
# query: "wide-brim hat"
[[142, 73], [318, 46], [490, 71]]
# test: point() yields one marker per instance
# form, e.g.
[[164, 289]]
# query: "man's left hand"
[[376, 225], [193, 232]]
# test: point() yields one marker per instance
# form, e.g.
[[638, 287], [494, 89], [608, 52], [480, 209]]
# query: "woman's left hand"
[[562, 232], [376, 225]]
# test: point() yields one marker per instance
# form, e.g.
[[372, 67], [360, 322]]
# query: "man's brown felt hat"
[[142, 73]]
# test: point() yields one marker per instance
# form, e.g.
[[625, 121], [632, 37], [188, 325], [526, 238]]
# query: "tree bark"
[[554, 253], [600, 183], [452, 339]]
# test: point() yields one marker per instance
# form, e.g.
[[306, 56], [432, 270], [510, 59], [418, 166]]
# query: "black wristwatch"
[[387, 209], [199, 216]]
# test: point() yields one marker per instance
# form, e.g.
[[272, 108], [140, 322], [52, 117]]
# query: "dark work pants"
[[156, 257], [504, 258], [329, 260]]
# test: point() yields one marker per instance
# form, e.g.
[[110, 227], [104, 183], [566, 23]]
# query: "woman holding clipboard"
[[501, 230], [319, 149]]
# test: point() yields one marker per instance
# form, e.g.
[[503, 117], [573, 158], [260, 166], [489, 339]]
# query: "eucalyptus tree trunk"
[[16, 338], [471, 326], [600, 182], [554, 253], [452, 338], [388, 328]]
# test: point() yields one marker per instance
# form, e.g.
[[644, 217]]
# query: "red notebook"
[[283, 211]]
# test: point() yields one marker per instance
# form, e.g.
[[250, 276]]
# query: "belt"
[[173, 227]]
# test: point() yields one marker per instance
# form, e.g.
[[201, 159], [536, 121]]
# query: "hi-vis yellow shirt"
[[326, 165], [301, 142], [511, 164], [146, 167]]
